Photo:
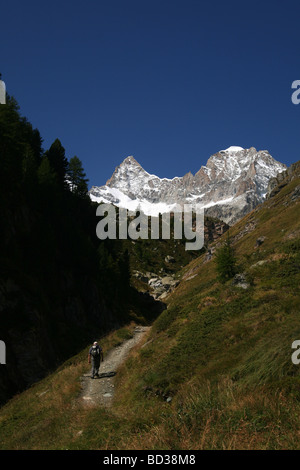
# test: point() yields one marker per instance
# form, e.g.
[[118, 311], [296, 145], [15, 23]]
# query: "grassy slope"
[[223, 354]]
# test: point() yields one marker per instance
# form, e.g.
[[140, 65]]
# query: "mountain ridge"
[[232, 183]]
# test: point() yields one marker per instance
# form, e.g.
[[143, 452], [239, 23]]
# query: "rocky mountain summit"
[[231, 184]]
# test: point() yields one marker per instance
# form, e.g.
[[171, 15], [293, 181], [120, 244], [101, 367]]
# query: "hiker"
[[95, 355]]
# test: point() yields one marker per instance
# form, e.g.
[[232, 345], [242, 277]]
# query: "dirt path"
[[100, 391]]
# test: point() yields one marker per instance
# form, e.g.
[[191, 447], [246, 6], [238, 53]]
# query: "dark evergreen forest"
[[60, 286]]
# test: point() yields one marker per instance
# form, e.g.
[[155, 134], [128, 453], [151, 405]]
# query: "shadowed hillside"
[[59, 285]]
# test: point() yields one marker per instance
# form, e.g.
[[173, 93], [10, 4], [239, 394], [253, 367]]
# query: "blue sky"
[[170, 82]]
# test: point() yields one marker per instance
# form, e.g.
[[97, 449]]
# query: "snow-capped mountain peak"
[[232, 182], [232, 149]]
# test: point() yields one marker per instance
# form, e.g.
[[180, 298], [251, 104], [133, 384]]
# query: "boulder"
[[142, 277], [259, 241], [169, 259], [240, 280], [259, 263], [167, 281], [154, 281]]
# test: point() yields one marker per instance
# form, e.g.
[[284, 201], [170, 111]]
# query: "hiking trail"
[[100, 391]]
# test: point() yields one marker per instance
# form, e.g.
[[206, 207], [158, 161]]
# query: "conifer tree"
[[77, 177], [226, 261], [45, 173], [58, 162]]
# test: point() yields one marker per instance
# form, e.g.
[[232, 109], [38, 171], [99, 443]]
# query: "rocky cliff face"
[[282, 179], [231, 184]]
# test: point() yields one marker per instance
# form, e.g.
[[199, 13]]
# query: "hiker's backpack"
[[95, 352]]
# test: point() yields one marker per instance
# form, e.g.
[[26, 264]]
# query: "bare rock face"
[[280, 180], [232, 183]]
